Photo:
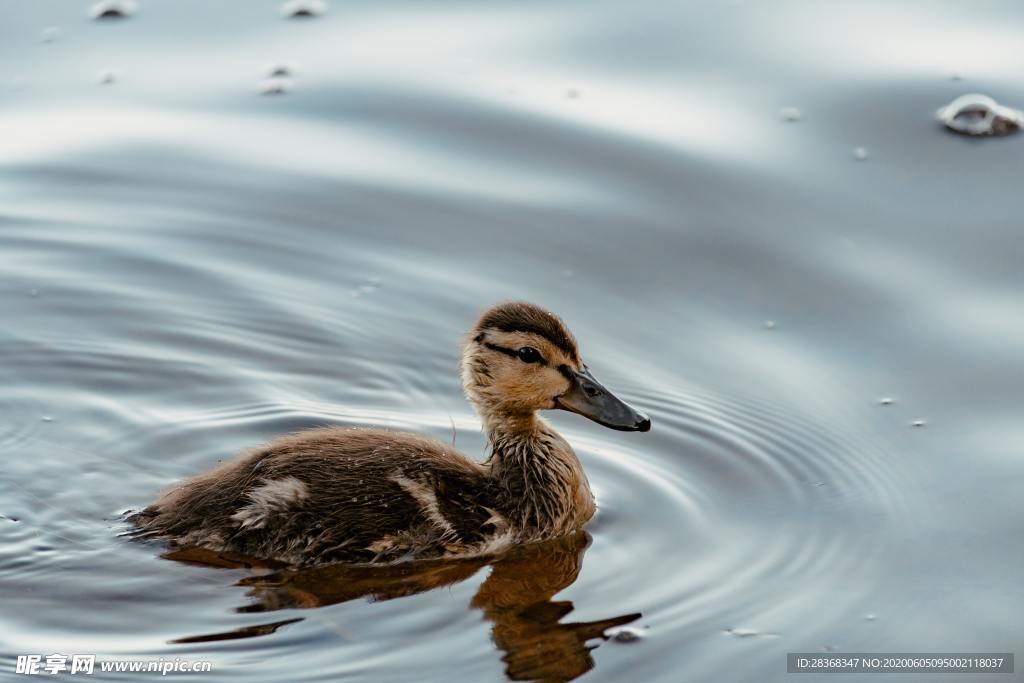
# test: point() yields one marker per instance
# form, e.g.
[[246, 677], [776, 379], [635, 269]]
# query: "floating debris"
[[790, 114], [113, 9], [749, 633], [870, 617], [956, 75], [980, 115], [107, 76], [770, 324], [46, 418], [275, 86], [33, 292], [919, 423], [373, 284], [742, 632], [280, 70], [50, 34], [860, 153], [303, 8], [885, 401], [625, 634]]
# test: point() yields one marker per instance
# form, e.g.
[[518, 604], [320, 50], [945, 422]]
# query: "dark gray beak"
[[590, 399]]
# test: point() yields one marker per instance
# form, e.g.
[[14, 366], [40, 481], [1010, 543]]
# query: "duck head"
[[520, 358]]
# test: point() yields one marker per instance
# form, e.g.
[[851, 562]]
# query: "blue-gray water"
[[190, 268]]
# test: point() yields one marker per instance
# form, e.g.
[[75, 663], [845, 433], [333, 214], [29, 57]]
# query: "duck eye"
[[528, 354]]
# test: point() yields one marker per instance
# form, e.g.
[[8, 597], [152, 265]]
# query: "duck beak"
[[589, 398]]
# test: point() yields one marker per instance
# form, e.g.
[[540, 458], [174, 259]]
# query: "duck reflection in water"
[[516, 597]]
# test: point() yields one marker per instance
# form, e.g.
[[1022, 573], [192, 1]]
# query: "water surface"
[[191, 268]]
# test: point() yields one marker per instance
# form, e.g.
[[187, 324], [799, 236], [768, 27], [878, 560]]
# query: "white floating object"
[[303, 8], [742, 632], [281, 70], [860, 153], [50, 34], [625, 634], [790, 114], [976, 114], [275, 86], [113, 9]]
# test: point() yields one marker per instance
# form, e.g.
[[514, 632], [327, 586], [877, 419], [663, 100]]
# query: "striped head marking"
[[520, 358], [517, 359]]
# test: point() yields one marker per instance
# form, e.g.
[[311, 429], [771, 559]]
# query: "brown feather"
[[370, 495]]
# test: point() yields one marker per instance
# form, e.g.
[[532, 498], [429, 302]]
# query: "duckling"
[[362, 495]]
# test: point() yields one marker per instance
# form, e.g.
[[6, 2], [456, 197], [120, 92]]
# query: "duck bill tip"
[[593, 401]]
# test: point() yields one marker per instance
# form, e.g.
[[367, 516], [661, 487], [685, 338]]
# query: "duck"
[[363, 495]]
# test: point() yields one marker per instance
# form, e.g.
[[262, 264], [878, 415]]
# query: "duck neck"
[[541, 486]]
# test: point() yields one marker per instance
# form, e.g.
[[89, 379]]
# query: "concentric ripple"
[[190, 269]]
